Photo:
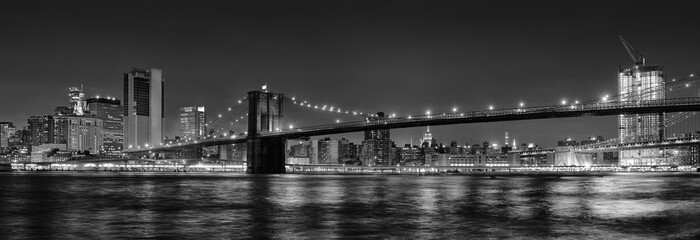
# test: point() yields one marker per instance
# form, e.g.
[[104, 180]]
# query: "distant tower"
[[506, 142], [143, 108], [77, 100], [428, 137], [515, 146]]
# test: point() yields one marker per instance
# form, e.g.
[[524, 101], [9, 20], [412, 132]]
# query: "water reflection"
[[99, 205]]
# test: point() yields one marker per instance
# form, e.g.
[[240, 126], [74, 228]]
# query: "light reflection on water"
[[226, 205]]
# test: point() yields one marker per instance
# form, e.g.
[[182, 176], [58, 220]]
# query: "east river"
[[98, 205]]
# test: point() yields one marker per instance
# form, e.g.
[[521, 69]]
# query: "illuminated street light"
[[291, 126], [522, 104], [454, 110], [337, 121], [427, 112], [491, 107], [563, 102], [576, 102]]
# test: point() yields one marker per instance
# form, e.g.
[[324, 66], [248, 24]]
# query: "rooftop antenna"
[[630, 51]]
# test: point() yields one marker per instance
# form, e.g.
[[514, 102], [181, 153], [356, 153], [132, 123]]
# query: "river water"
[[72, 205]]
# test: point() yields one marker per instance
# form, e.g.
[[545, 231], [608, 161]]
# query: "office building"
[[143, 108], [110, 111], [193, 122], [377, 146]]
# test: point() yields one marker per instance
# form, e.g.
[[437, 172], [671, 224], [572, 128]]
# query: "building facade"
[[7, 131], [84, 133], [640, 83], [110, 111], [327, 151], [143, 108], [193, 122], [377, 146]]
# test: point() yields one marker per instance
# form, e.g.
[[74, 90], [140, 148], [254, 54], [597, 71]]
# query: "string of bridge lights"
[[327, 108]]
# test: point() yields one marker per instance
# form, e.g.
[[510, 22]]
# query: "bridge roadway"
[[512, 114]]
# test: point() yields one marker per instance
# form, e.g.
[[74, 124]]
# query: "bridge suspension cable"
[[234, 117], [326, 107]]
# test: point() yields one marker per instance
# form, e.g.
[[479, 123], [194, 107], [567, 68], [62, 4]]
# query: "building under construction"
[[641, 82]]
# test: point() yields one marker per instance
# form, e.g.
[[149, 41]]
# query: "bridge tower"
[[265, 155]]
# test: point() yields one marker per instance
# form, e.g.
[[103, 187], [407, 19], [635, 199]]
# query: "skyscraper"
[[376, 148], [143, 107], [638, 83], [192, 122], [110, 111]]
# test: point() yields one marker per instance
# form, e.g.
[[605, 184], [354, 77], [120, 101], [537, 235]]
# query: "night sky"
[[402, 57]]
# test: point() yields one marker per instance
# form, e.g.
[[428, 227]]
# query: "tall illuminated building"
[[110, 111], [428, 141], [376, 148], [143, 108], [193, 122], [639, 83]]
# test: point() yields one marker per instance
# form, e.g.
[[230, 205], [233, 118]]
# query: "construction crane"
[[630, 51]]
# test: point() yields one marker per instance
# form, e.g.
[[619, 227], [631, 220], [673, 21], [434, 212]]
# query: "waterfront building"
[[313, 152], [638, 83], [475, 160], [46, 152], [143, 108], [110, 111], [193, 122], [300, 150], [327, 151]]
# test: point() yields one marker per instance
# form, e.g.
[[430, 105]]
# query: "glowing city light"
[[454, 110], [522, 104], [563, 102], [337, 121], [427, 112], [490, 107]]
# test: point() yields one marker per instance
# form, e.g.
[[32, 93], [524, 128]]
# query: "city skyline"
[[431, 68]]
